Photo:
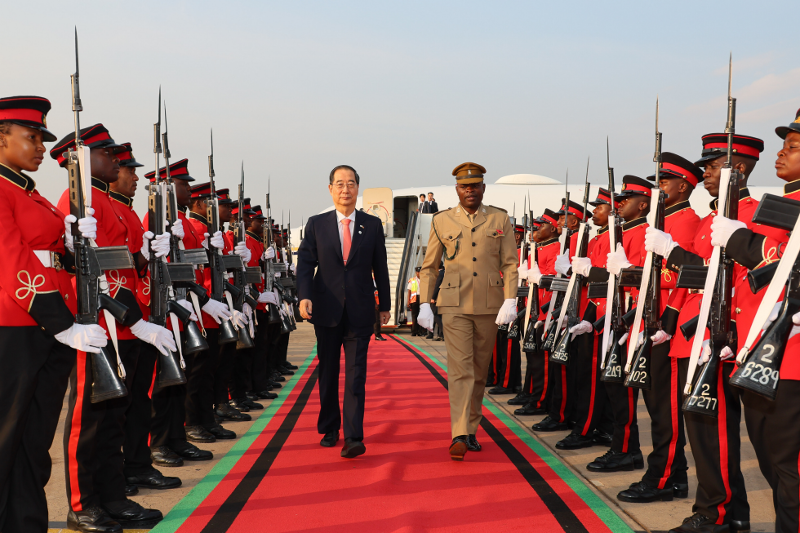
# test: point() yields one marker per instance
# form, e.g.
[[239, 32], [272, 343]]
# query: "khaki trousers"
[[469, 340]]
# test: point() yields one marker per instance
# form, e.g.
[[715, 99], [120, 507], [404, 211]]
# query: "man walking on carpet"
[[477, 244], [346, 247]]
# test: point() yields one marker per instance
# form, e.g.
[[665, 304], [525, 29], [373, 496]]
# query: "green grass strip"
[[184, 508], [592, 500]]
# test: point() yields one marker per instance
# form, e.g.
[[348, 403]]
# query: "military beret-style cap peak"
[[633, 185], [29, 111], [715, 145], [96, 136], [675, 166], [126, 158], [783, 131], [469, 173]]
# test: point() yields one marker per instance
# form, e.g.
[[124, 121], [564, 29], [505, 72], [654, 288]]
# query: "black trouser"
[[261, 362], [94, 434], [138, 418], [591, 401], [716, 447], [560, 399], [437, 321], [667, 462], [241, 373], [282, 350], [775, 434], [536, 374], [330, 342], [228, 355], [33, 381], [199, 390], [415, 327], [623, 400], [377, 329]]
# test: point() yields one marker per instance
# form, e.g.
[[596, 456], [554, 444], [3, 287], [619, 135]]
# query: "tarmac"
[[651, 517]]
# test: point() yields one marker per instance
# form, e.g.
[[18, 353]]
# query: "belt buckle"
[[55, 260]]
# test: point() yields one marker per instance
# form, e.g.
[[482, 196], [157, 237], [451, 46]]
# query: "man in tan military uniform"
[[477, 293]]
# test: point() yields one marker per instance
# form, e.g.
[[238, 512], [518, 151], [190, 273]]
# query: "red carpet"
[[406, 481]]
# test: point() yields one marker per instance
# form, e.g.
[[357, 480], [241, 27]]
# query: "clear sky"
[[405, 91]]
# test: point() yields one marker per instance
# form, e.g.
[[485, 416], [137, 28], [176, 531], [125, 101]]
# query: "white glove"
[[562, 264], [522, 270], [617, 260], [622, 339], [425, 317], [640, 340], [177, 229], [247, 311], [580, 328], [268, 298], [83, 337], [188, 306], [217, 241], [722, 228], [154, 334], [240, 319], [796, 328], [705, 353], [217, 310], [87, 227], [726, 353], [146, 236], [660, 337], [658, 242], [538, 324], [581, 265], [243, 251], [534, 274], [507, 313], [161, 245], [292, 268], [269, 253], [205, 241]]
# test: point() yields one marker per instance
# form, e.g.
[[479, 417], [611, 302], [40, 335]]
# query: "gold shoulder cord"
[[444, 252]]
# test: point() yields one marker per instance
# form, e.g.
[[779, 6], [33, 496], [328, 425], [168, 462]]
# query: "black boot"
[[94, 520], [698, 523], [530, 409], [520, 399], [575, 441], [613, 461]]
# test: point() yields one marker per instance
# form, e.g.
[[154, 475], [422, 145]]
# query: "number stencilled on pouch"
[[758, 373]]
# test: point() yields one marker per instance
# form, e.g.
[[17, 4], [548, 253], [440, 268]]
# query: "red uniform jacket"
[[547, 252], [123, 206]]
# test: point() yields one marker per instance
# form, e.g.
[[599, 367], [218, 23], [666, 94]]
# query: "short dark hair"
[[430, 193], [422, 195], [346, 167]]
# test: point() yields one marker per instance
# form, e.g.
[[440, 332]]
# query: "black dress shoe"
[[472, 444], [252, 396], [458, 448], [530, 409], [575, 441], [698, 523], [163, 456], [352, 448], [739, 526], [571, 424], [290, 366], [429, 336], [199, 434], [226, 412], [253, 406], [94, 520], [490, 384], [439, 339], [193, 453], [501, 390], [520, 399], [277, 377], [548, 424], [154, 480], [601, 438], [267, 395], [222, 433], [680, 490], [131, 490], [286, 372], [131, 515], [275, 385], [641, 492], [613, 461], [330, 439], [380, 338]]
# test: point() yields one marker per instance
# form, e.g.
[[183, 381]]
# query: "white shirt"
[[339, 218]]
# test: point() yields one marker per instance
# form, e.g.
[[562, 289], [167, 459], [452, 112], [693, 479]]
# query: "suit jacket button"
[[473, 244], [474, 273], [473, 230], [474, 259]]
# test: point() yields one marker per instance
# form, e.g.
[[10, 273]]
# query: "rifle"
[[292, 276], [269, 266], [240, 277], [219, 263], [550, 332], [648, 305], [91, 263], [513, 328], [284, 287], [715, 307], [573, 294]]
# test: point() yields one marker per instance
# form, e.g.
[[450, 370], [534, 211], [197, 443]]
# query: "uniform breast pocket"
[[495, 296], [452, 242], [449, 290], [493, 238]]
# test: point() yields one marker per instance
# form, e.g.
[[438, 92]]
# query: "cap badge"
[[44, 120]]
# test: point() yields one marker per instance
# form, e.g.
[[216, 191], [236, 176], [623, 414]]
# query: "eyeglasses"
[[339, 186]]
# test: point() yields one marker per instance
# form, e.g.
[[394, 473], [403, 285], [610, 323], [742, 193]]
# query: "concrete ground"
[[648, 517]]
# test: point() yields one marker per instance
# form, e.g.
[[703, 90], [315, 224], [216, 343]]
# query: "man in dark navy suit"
[[346, 247]]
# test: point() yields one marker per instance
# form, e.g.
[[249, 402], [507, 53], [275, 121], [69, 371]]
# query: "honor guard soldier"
[[523, 396], [721, 497], [562, 377], [138, 466], [547, 250], [770, 424], [94, 432], [477, 244], [666, 465], [633, 206], [38, 332]]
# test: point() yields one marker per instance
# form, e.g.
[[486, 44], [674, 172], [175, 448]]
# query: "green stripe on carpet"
[[178, 515], [592, 500]]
